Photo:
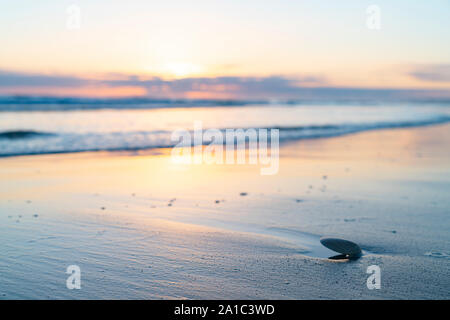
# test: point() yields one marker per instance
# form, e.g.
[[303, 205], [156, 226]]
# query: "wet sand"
[[140, 226]]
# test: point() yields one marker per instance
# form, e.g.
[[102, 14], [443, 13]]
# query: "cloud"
[[17, 79], [432, 73], [311, 87], [233, 86]]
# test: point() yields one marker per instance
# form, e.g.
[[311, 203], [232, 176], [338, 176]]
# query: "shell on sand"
[[342, 246]]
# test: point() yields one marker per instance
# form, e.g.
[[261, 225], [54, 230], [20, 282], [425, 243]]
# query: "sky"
[[222, 49]]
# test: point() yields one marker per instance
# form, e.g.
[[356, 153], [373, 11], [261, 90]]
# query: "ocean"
[[30, 126]]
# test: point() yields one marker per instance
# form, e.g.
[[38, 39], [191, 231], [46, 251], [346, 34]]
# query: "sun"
[[182, 69]]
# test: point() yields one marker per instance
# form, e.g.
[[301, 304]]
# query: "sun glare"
[[181, 69]]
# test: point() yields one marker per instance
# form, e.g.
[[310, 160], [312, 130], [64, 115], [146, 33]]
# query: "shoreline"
[[77, 132]]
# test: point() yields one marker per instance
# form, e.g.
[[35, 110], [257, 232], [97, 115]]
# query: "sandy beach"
[[142, 227]]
